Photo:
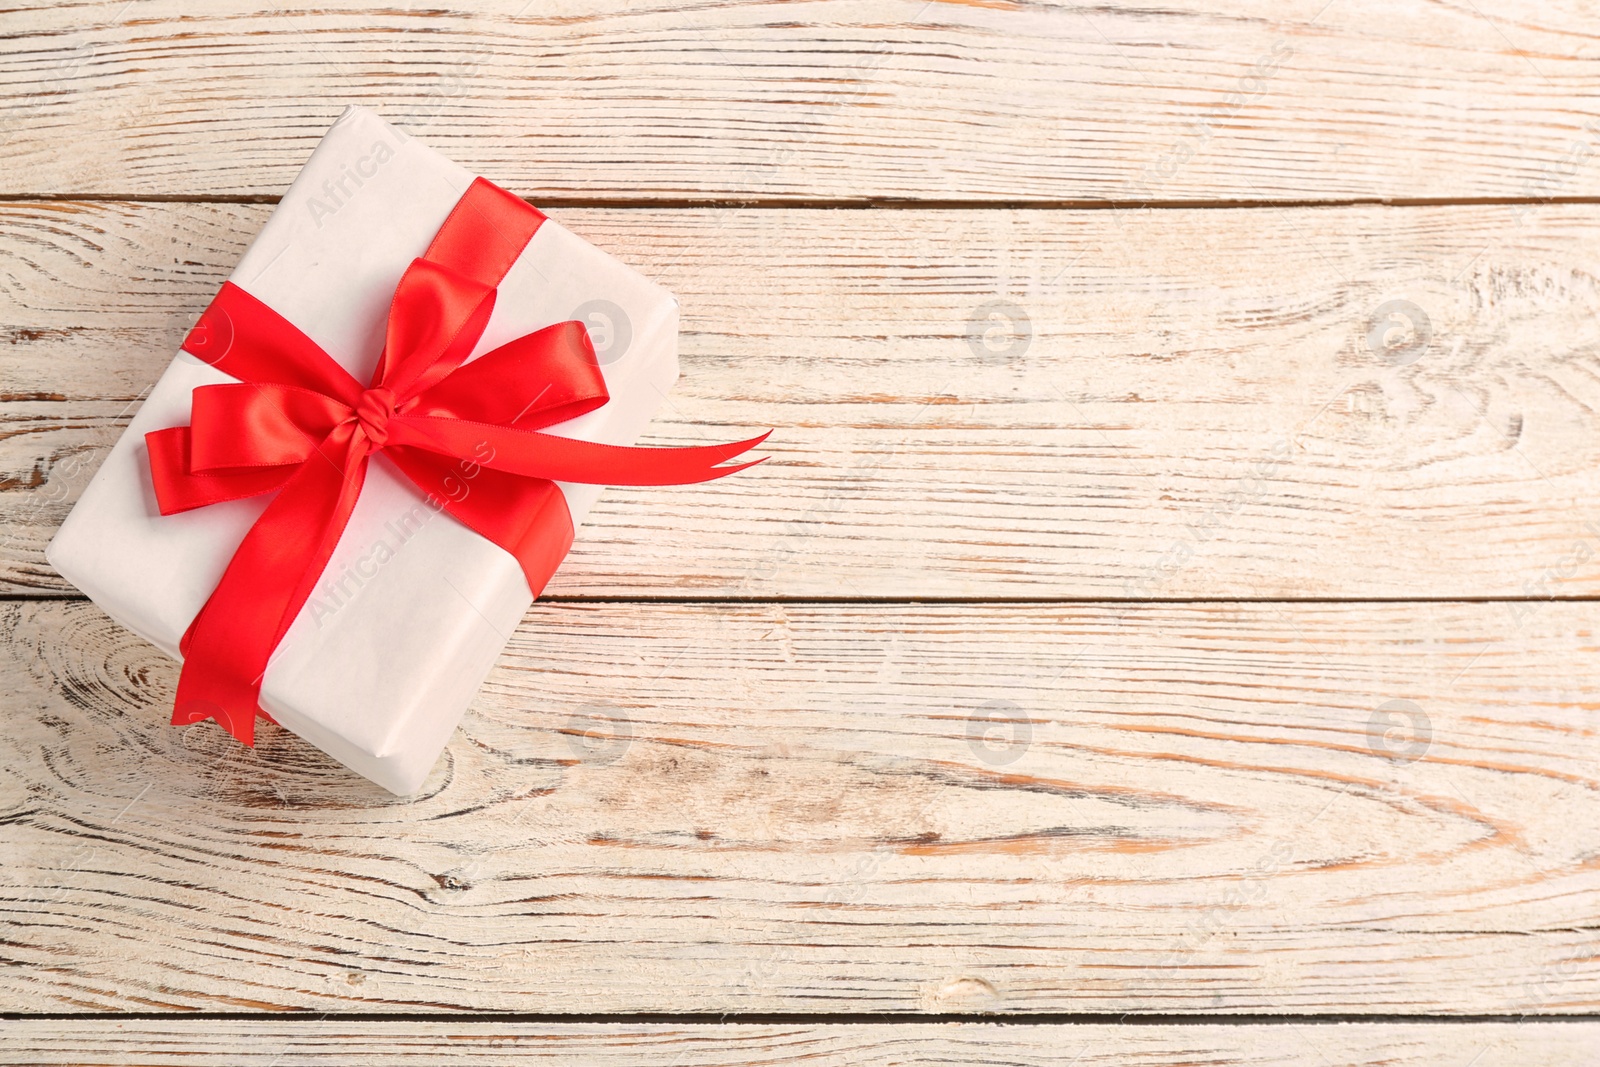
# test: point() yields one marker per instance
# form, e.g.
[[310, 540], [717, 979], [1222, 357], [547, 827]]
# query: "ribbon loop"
[[466, 434], [435, 320], [258, 425]]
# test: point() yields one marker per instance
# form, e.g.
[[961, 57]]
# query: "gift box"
[[396, 633]]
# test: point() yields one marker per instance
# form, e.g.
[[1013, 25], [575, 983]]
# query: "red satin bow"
[[298, 423]]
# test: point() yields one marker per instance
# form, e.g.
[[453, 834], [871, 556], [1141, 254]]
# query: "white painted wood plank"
[[1199, 408], [313, 1042], [1383, 808], [1197, 99]]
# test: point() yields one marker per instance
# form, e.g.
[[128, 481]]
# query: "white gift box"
[[413, 608]]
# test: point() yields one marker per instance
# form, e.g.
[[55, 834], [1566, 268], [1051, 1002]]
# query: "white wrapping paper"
[[413, 608]]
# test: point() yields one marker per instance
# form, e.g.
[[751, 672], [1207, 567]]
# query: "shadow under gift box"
[[413, 608]]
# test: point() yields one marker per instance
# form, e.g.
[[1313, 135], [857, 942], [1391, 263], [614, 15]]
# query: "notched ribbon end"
[[738, 448], [241, 726]]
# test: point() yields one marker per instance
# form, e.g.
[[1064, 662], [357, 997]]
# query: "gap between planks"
[[557, 203], [835, 1019]]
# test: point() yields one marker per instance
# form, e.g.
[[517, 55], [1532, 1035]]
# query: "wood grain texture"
[[855, 805], [1196, 407], [309, 1043], [1196, 99], [708, 808]]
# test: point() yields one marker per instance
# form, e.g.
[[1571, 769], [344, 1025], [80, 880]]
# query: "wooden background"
[[1165, 632]]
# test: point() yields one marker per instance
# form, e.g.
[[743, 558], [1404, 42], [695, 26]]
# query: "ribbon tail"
[[563, 459], [231, 642]]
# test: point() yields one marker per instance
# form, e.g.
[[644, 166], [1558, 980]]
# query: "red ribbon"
[[298, 423]]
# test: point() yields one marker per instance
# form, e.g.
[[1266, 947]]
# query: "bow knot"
[[373, 412], [296, 422]]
